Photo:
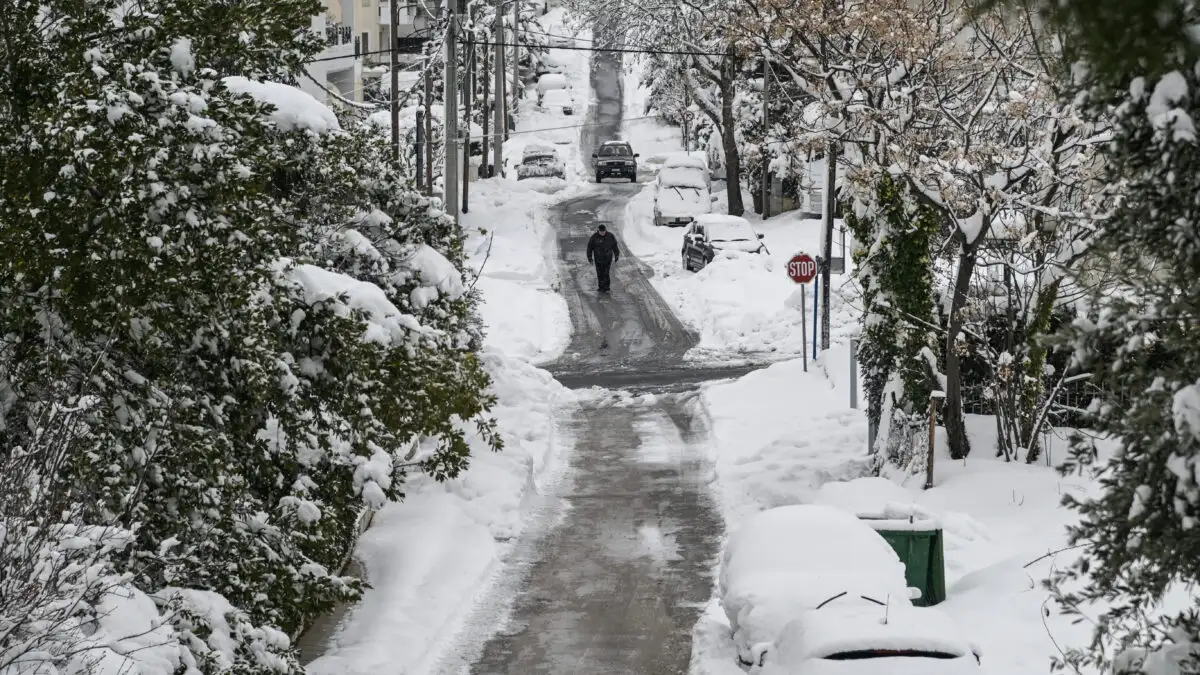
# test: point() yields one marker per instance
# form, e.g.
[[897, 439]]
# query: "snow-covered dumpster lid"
[[878, 502]]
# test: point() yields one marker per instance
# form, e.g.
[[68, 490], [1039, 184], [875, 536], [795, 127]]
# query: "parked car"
[[615, 159], [547, 62], [550, 82], [858, 639], [559, 100], [540, 161], [788, 560], [682, 191], [712, 232]]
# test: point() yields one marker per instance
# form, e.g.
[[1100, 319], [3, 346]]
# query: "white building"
[[351, 32]]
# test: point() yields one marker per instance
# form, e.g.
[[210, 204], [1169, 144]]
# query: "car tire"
[[687, 264], [597, 178]]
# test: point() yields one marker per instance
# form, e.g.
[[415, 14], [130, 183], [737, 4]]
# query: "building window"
[[366, 44]]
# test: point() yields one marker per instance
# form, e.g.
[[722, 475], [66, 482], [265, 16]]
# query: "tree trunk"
[[1035, 385], [956, 429], [733, 164]]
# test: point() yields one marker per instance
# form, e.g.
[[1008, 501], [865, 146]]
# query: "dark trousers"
[[602, 279]]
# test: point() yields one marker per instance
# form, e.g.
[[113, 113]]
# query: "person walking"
[[603, 251]]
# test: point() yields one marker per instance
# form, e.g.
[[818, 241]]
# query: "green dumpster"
[[919, 545]]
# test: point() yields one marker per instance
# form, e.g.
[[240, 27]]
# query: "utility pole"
[[485, 112], [766, 176], [422, 141], [428, 101], [394, 11], [468, 94], [516, 68], [687, 113], [501, 101], [827, 238], [450, 174]]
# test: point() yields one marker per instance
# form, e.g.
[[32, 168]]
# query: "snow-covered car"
[[858, 639], [682, 191], [559, 100], [788, 560], [550, 82], [540, 161], [547, 62], [615, 159], [709, 233]]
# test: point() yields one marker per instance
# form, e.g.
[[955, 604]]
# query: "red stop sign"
[[802, 268]]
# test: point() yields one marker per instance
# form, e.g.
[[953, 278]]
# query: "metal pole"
[[468, 95], [428, 128], [394, 13], [516, 69], [501, 101], [450, 120], [484, 111], [766, 177], [466, 158], [854, 373], [804, 324], [816, 303], [421, 142], [827, 236], [932, 430]]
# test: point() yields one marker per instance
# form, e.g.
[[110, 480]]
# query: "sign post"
[[803, 269]]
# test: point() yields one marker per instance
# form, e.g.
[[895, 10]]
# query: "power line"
[[618, 50]]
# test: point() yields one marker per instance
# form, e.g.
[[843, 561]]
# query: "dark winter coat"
[[602, 249]]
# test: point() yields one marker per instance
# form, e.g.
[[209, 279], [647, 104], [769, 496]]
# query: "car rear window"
[[858, 654]]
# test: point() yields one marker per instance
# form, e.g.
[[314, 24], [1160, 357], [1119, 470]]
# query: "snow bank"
[[428, 557], [294, 109], [783, 436], [510, 242]]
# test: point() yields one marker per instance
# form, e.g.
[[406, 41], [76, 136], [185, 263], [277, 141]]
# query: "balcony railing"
[[338, 34]]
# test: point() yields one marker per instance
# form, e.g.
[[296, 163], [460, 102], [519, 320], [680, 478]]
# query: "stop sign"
[[802, 268]]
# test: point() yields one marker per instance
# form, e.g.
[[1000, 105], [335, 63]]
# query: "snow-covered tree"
[[259, 328]]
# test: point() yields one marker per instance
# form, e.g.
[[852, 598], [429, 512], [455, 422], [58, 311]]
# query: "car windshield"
[[730, 231], [615, 151], [682, 177]]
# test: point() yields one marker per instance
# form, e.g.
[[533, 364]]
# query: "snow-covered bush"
[[250, 315]]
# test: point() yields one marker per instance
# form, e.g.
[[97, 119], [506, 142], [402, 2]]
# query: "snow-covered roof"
[[538, 149], [721, 227], [835, 629], [682, 160], [294, 108], [551, 81]]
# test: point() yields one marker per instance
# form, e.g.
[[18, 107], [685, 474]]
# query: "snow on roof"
[[294, 109], [684, 160], [835, 629], [790, 558], [551, 81], [538, 149], [388, 325]]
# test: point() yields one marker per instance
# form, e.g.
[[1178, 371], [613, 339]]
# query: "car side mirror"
[[760, 235], [713, 198], [636, 155], [594, 155]]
